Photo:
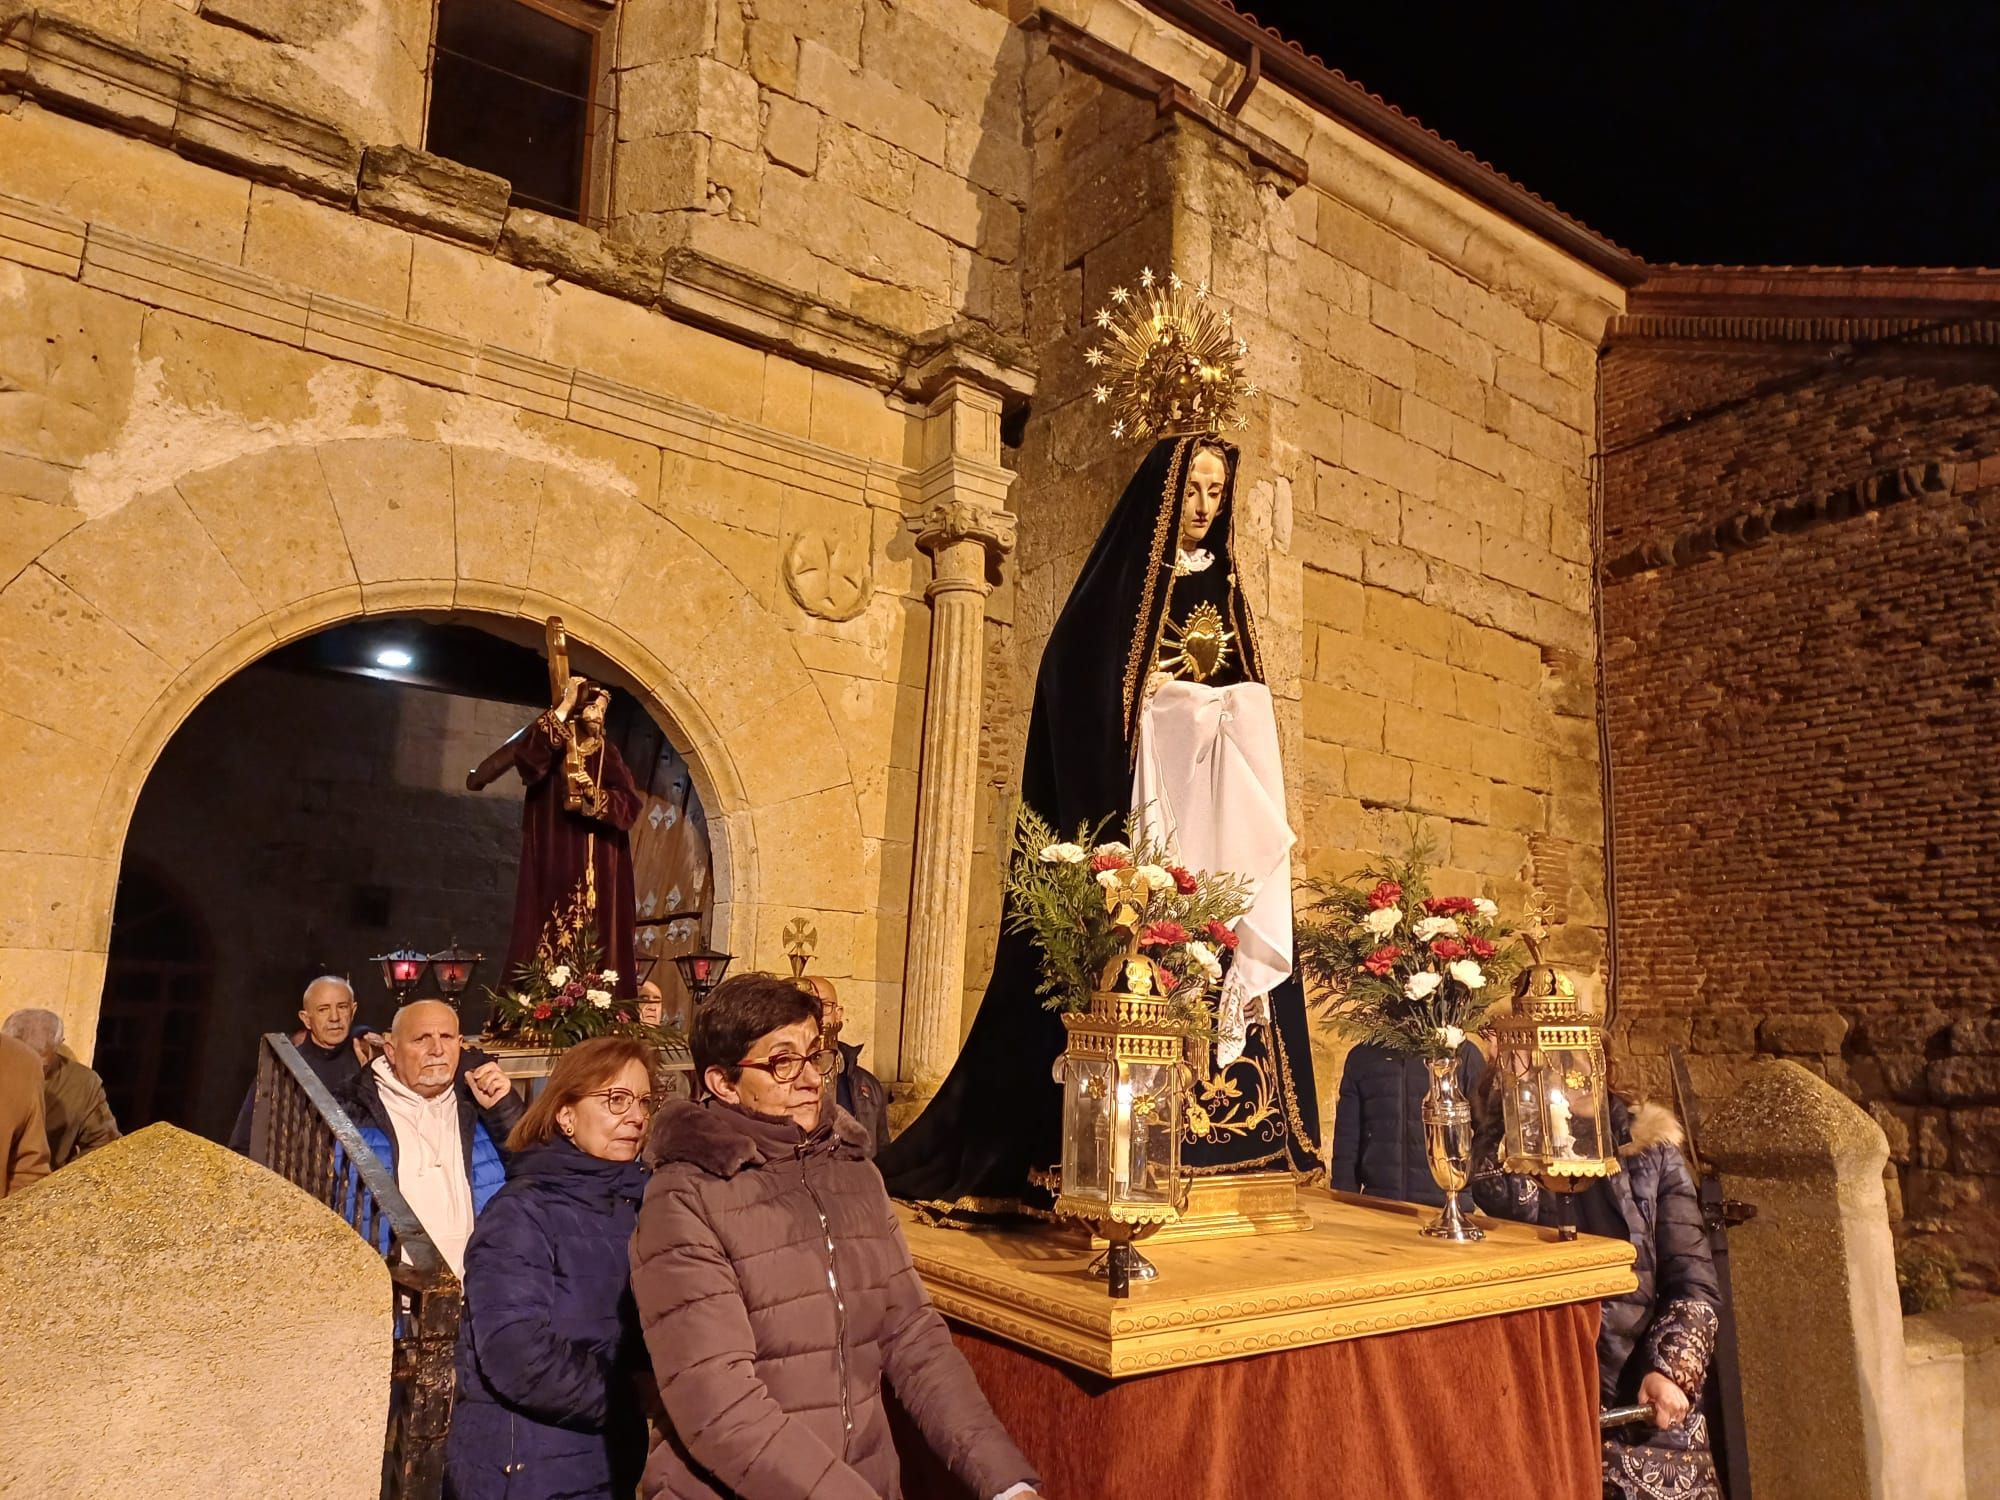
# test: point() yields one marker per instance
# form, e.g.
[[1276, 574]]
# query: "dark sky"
[[1742, 133]]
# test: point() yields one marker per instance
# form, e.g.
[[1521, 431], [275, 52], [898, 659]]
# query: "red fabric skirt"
[[1494, 1408]]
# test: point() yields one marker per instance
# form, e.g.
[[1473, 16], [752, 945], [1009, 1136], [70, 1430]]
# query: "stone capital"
[[950, 522]]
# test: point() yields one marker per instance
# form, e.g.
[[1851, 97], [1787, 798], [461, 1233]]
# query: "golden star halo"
[[1171, 358]]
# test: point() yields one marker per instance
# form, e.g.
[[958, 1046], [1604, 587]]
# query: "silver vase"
[[1448, 1148]]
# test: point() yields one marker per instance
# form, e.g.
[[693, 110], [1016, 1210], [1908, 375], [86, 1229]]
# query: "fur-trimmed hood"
[[1650, 1125], [723, 1139]]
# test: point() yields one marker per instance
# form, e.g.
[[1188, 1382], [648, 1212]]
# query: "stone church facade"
[[791, 425]]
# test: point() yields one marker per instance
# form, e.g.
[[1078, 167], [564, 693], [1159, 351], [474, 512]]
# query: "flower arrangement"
[[1398, 966], [563, 998], [1108, 916]]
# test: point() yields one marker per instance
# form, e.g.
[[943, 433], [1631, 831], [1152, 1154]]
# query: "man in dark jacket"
[[1378, 1126], [333, 1046], [856, 1090], [1654, 1342], [438, 1130]]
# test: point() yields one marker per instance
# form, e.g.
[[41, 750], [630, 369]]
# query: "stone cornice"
[[228, 296], [1171, 97], [73, 69]]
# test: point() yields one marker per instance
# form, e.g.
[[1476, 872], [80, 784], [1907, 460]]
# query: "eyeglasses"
[[620, 1101], [786, 1066]]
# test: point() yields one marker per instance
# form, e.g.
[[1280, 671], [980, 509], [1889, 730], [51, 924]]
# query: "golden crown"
[[1170, 362]]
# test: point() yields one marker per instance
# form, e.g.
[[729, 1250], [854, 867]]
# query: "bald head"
[[830, 1012], [423, 1047]]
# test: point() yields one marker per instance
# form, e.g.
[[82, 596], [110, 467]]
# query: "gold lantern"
[[1123, 1081], [1550, 1061]]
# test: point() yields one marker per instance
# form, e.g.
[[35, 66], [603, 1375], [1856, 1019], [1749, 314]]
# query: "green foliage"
[[1392, 964], [1113, 916]]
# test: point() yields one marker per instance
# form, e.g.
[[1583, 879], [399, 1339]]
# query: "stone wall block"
[[433, 194]]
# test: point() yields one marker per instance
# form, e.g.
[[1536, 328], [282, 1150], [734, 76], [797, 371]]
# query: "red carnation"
[[1220, 935], [573, 991], [1447, 948], [1450, 906], [1102, 862], [543, 1012], [1382, 960], [565, 1000], [1183, 882], [1163, 934], [1385, 895], [1481, 948], [625, 1016]]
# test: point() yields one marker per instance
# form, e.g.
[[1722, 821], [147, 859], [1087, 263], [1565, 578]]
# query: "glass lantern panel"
[[1089, 1093], [1579, 1125], [1145, 1134]]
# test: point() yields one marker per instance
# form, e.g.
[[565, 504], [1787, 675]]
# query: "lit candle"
[[1121, 1138], [1565, 1142]]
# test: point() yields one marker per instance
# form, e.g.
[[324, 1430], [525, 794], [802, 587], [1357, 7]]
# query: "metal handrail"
[[300, 1132]]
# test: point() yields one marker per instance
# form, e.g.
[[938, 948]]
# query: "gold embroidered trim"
[[1144, 650]]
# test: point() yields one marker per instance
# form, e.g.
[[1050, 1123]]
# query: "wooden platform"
[[1361, 1269]]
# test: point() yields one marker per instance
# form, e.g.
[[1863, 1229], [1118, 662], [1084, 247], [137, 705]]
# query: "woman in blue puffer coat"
[[550, 1357]]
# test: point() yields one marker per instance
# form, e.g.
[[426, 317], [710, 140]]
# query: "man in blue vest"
[[443, 1135]]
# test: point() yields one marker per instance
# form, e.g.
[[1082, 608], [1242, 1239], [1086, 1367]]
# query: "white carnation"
[[1422, 984], [1383, 922], [1115, 851], [1452, 1037], [1205, 956], [599, 998], [1156, 878], [1062, 854], [1431, 927], [1468, 973], [558, 976], [610, 976], [1485, 908], [1109, 878]]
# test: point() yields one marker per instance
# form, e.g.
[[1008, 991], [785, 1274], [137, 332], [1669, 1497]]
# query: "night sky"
[[1736, 133]]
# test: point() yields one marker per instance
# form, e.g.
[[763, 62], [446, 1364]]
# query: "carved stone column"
[[966, 532]]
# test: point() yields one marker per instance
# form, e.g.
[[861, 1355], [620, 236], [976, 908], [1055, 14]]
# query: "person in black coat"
[[1654, 1342], [333, 1044], [855, 1088], [1378, 1127], [551, 1362]]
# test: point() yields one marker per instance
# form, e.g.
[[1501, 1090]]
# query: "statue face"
[[593, 711], [1208, 477]]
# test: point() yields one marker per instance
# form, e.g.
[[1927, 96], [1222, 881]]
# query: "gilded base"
[[1237, 1203], [1360, 1270]]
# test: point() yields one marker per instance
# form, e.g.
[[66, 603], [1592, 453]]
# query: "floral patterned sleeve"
[[1681, 1341]]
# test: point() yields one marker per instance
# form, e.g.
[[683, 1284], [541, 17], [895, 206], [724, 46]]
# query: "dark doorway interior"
[[311, 814]]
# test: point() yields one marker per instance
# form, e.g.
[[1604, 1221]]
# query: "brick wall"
[[1802, 635]]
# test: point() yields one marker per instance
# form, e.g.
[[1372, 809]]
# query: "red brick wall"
[[1802, 613]]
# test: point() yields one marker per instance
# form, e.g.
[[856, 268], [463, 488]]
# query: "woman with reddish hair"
[[549, 1349]]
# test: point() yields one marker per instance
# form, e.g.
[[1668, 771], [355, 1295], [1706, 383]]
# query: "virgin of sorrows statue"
[[578, 806], [1150, 696]]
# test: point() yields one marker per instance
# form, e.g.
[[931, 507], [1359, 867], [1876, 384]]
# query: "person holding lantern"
[[1654, 1342]]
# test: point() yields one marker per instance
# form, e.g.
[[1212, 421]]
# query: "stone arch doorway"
[[314, 811], [132, 616]]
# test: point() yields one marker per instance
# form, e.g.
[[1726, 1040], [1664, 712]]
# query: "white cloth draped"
[[430, 1163], [1208, 784]]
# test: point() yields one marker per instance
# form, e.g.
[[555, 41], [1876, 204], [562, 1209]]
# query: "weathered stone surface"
[[1965, 1080], [433, 194], [1808, 1034], [1908, 1029], [569, 250], [1974, 1034], [1975, 1140], [135, 1333]]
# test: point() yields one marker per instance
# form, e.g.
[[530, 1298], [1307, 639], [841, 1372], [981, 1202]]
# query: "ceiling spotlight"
[[394, 657]]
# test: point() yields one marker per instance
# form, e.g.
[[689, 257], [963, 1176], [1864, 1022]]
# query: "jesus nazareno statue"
[[579, 805], [1150, 698]]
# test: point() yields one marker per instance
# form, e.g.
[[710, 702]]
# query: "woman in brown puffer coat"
[[775, 1288]]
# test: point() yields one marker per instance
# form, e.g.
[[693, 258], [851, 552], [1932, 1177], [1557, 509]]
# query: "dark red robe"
[[556, 845]]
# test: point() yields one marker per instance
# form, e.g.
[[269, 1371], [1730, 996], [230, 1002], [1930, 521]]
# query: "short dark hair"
[[737, 1012]]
